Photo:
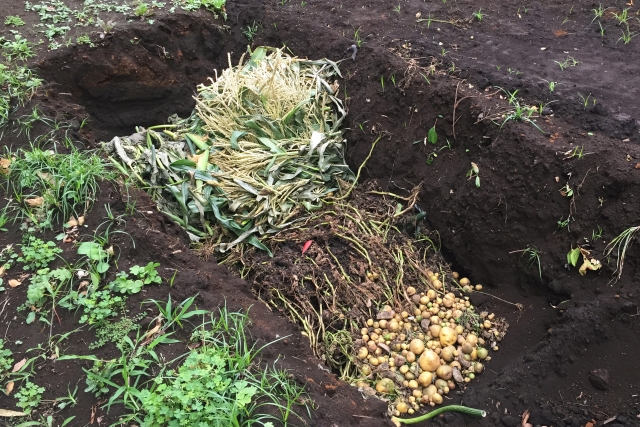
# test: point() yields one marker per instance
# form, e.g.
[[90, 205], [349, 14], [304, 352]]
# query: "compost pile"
[[261, 150], [376, 299]]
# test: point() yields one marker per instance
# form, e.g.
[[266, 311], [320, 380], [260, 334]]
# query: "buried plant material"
[[380, 308], [262, 148]]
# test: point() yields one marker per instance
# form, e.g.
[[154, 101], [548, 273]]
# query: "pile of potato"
[[416, 357]]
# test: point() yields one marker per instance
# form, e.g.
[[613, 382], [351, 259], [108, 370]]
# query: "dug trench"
[[570, 326]]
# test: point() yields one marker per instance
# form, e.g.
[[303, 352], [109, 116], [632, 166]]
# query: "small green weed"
[[29, 396], [143, 10], [216, 384], [144, 276], [100, 305], [479, 15], [586, 99], [627, 36], [596, 235], [13, 20], [251, 31], [357, 39], [45, 285], [115, 332], [37, 253], [598, 13], [19, 48], [6, 361], [474, 172], [569, 61]]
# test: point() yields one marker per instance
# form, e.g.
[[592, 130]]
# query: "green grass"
[[54, 186], [218, 384], [14, 21], [620, 244]]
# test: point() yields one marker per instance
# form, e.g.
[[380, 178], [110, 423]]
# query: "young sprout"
[[479, 15]]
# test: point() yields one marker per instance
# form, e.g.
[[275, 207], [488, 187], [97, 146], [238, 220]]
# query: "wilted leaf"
[[9, 388], [4, 166], [3, 271], [19, 365], [72, 222], [81, 220], [8, 413], [14, 283]]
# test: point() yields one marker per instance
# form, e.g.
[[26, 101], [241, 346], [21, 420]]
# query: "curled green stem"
[[453, 408]]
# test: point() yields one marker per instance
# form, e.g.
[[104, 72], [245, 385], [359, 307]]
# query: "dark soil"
[[571, 325]]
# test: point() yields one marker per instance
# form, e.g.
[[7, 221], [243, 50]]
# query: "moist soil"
[[442, 73]]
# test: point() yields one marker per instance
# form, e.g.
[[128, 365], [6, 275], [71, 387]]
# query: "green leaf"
[[432, 136], [31, 317], [234, 138], [478, 181], [573, 256]]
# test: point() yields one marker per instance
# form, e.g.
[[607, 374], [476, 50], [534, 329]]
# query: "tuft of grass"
[[532, 255], [251, 31], [51, 184], [569, 61], [621, 244]]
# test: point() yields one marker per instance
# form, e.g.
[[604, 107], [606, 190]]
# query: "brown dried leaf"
[[72, 222], [3, 271], [35, 202], [9, 388], [560, 33], [13, 283], [8, 413], [4, 166], [81, 220], [19, 365]]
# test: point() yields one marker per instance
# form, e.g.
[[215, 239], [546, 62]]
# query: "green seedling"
[[97, 256], [143, 276], [565, 223], [37, 253], [552, 85], [46, 285], [585, 100], [356, 37], [251, 31], [397, 9], [29, 396], [6, 360], [13, 20], [474, 173], [99, 306], [432, 135], [601, 29], [622, 17], [576, 152], [596, 235], [566, 191], [627, 36], [393, 79], [175, 315], [19, 48], [142, 10], [479, 15], [569, 61], [382, 83], [598, 13]]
